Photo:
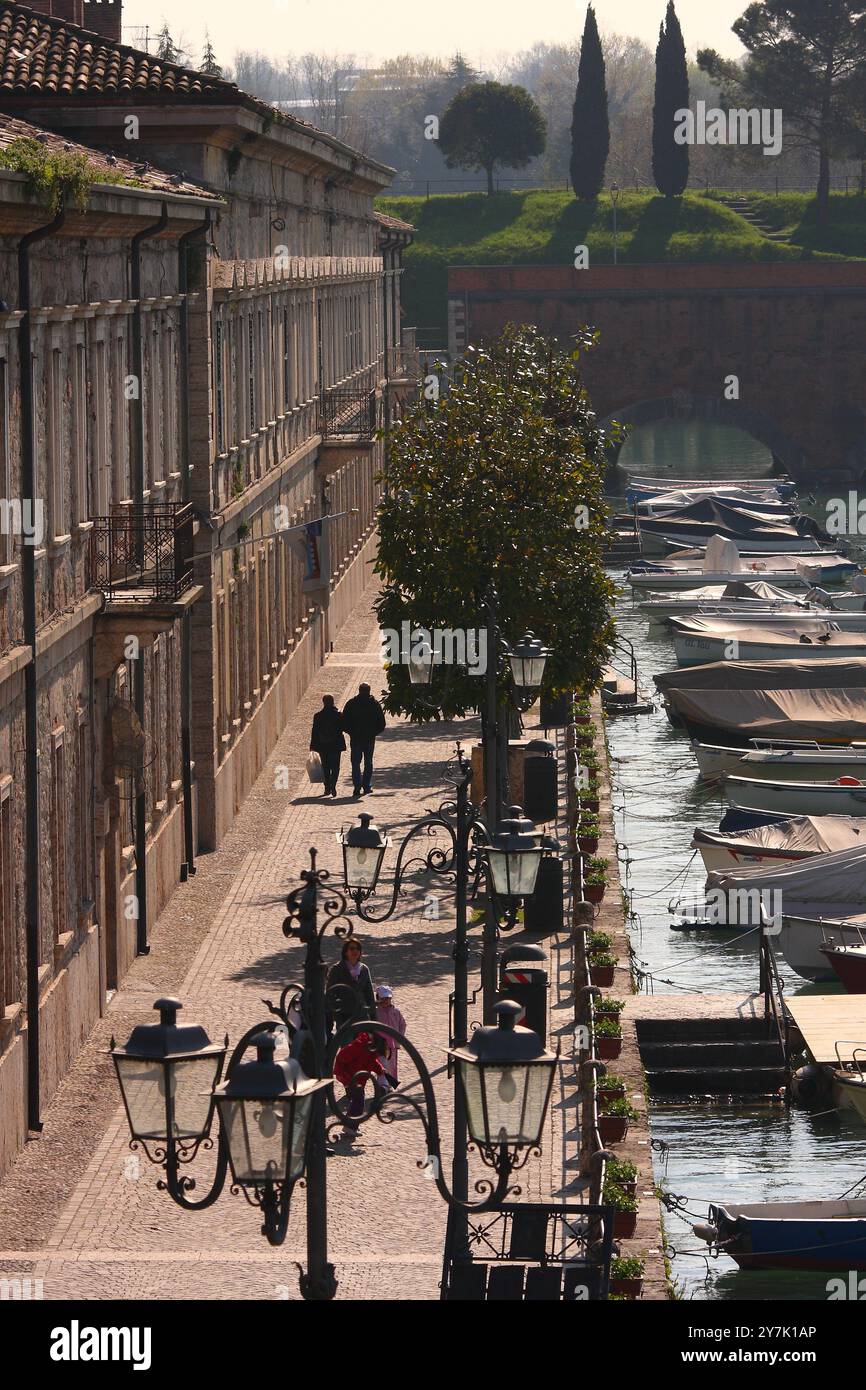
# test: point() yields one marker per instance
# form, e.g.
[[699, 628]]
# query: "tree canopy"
[[499, 481], [487, 124], [806, 58], [670, 160], [590, 131]]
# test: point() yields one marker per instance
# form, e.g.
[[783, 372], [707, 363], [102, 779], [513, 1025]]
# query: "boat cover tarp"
[[768, 634], [736, 819], [817, 834], [766, 500], [734, 521], [823, 700], [837, 881]]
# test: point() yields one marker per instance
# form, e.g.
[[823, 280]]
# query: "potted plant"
[[601, 972], [598, 942], [626, 1276], [625, 1207], [608, 1007], [587, 833], [582, 711], [608, 1039], [594, 878], [614, 1119], [623, 1173], [609, 1087]]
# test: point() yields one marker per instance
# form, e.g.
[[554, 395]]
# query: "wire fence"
[[427, 188]]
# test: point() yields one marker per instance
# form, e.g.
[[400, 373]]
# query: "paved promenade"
[[81, 1212]]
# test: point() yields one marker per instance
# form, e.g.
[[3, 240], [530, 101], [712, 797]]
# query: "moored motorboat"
[[845, 796], [765, 846], [699, 639], [845, 949], [780, 759], [825, 1235], [849, 1085]]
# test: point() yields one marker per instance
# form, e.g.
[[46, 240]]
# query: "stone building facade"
[[213, 323]]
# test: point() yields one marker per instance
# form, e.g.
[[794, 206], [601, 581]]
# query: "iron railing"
[[143, 555], [348, 411]]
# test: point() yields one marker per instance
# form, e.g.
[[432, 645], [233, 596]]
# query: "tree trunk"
[[490, 189], [822, 193]]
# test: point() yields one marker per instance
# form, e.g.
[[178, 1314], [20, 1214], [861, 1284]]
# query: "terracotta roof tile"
[[144, 175]]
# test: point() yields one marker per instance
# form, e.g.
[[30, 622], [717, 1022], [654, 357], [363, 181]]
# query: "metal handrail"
[[772, 988]]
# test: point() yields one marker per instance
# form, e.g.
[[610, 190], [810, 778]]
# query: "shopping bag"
[[314, 768]]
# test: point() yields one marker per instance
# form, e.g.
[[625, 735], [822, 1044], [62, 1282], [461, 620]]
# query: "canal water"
[[706, 1153]]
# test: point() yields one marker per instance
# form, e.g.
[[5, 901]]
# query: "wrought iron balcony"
[[143, 556], [348, 411]]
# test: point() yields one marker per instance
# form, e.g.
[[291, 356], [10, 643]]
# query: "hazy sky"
[[481, 29]]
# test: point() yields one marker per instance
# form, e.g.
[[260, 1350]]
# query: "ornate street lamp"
[[528, 660], [514, 856], [506, 1074], [421, 662], [364, 848], [167, 1075]]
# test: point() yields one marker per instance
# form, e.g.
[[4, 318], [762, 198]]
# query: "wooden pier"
[[825, 1020]]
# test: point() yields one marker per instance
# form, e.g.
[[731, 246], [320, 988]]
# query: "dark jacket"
[[363, 718], [340, 1007], [327, 733]]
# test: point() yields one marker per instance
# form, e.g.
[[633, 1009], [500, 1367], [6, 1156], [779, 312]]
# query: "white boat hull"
[[717, 857], [696, 651], [800, 941], [794, 798], [668, 581], [849, 1092]]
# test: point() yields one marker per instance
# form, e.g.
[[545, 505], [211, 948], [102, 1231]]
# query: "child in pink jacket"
[[387, 1012]]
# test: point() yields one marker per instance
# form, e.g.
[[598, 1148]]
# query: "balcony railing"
[[144, 556], [348, 411]]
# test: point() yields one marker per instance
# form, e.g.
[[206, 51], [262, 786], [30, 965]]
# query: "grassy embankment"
[[541, 227]]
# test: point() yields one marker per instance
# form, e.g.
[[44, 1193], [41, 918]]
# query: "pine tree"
[[590, 131], [670, 160], [209, 63], [166, 48]]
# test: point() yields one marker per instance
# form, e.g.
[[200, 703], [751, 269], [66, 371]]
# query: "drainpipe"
[[141, 944], [188, 867], [31, 730]]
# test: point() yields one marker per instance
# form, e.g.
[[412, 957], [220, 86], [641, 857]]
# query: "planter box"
[[631, 1288], [594, 892], [612, 1128], [587, 844], [608, 1013], [625, 1225], [608, 1048], [589, 803], [603, 1094], [601, 975]]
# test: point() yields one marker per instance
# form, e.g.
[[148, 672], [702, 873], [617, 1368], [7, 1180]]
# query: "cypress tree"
[[590, 131], [670, 160]]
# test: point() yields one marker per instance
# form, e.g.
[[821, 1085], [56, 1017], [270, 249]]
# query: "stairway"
[[745, 210], [710, 1056]]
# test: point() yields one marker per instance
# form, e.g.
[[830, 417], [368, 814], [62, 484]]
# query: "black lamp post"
[[272, 1119]]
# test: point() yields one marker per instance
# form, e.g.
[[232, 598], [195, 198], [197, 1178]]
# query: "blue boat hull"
[[792, 1243]]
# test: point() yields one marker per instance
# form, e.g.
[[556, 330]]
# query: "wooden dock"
[[827, 1019]]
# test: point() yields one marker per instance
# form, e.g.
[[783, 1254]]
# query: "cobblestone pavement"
[[84, 1215]]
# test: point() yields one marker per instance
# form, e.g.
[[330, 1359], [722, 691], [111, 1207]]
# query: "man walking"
[[326, 739], [363, 720]]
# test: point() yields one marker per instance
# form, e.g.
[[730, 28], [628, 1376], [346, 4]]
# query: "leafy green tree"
[[805, 58], [590, 131], [670, 160], [499, 481], [209, 63], [488, 124]]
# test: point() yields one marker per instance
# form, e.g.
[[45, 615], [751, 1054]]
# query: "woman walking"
[[352, 986], [327, 739]]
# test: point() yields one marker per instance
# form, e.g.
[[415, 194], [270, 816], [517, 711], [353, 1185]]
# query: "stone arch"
[[788, 456]]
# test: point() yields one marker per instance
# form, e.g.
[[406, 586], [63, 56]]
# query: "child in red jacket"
[[353, 1065]]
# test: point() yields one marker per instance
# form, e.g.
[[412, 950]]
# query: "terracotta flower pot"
[[608, 1013], [604, 1094], [594, 892], [625, 1224], [588, 844], [612, 1128], [601, 975], [590, 803], [608, 1048], [630, 1288]]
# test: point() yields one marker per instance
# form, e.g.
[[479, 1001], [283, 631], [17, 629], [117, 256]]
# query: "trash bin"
[[556, 710], [539, 781], [522, 977], [543, 912]]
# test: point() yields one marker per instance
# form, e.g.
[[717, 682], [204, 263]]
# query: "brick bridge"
[[794, 334]]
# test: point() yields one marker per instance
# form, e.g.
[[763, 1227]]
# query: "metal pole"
[[460, 1160], [318, 1283], [492, 789]]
